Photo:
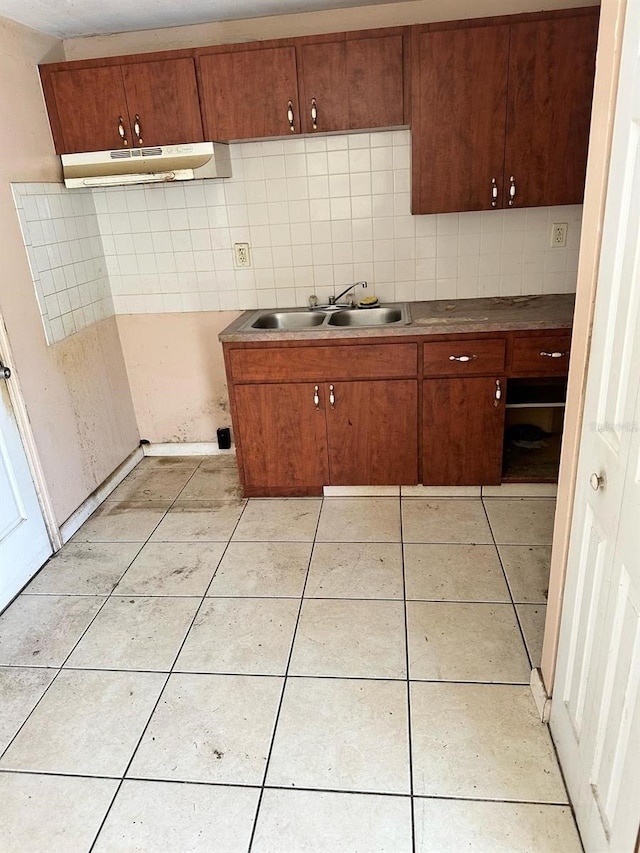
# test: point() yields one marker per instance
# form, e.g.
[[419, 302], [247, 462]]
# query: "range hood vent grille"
[[145, 165]]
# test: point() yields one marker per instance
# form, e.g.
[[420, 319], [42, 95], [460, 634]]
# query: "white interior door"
[[595, 714], [24, 543]]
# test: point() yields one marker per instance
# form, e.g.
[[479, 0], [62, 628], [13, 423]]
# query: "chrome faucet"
[[333, 300]]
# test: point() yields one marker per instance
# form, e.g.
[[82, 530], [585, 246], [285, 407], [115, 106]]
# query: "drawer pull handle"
[[314, 114], [332, 397], [316, 397], [463, 357], [554, 354], [494, 192], [121, 131], [498, 394], [291, 117], [137, 127], [512, 191]]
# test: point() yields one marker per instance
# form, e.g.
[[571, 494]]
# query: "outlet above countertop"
[[436, 317]]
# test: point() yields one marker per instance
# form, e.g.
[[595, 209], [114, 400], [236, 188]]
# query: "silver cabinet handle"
[[291, 117], [494, 192], [596, 481], [512, 191], [5, 372], [463, 357], [332, 397], [121, 130], [554, 354], [137, 128], [314, 114], [316, 397], [498, 394]]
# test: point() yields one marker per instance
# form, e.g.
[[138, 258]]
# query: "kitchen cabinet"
[[463, 397], [345, 415], [130, 105], [501, 111], [394, 410], [373, 432], [352, 84], [248, 94], [462, 431], [283, 437]]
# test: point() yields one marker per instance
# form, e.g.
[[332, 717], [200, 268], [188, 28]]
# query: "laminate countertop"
[[437, 317]]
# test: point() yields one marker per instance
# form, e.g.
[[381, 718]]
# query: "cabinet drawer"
[[541, 354], [318, 364], [464, 358]]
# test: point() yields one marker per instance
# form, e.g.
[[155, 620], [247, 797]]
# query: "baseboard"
[[89, 506], [540, 696], [186, 448]]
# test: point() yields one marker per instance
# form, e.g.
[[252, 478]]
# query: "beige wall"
[[308, 23], [176, 373], [76, 392], [606, 82]]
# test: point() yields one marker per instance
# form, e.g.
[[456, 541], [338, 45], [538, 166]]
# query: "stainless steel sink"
[[367, 317], [289, 320], [301, 319]]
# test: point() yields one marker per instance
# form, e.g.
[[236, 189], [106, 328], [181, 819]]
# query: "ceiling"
[[71, 18]]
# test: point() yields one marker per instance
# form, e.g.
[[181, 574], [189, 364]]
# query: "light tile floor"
[[196, 672]]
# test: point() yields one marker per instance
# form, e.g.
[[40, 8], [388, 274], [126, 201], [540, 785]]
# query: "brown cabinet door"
[[372, 431], [462, 431], [355, 83], [458, 124], [551, 70], [282, 436], [245, 94], [90, 104], [162, 98]]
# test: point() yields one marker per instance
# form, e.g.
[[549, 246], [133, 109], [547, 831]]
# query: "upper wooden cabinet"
[[551, 70], [351, 84], [500, 113], [247, 94], [121, 106]]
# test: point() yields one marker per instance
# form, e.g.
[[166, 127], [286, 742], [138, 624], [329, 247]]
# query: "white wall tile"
[[317, 212]]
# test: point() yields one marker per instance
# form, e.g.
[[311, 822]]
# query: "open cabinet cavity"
[[534, 417]]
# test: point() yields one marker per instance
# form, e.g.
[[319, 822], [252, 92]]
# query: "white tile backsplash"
[[317, 212], [66, 257]]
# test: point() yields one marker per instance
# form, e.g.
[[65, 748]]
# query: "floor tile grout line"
[[168, 674], [254, 596], [285, 788], [506, 579], [408, 678], [307, 677], [107, 597], [284, 681], [119, 786]]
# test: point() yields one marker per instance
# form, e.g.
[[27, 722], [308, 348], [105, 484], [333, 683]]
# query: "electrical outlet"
[[241, 255], [559, 235]]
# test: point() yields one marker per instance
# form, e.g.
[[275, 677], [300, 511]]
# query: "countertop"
[[437, 317]]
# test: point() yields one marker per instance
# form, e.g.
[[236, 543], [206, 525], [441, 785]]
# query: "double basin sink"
[[299, 319]]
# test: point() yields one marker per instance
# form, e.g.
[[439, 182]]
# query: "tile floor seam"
[[284, 683], [75, 645], [506, 578], [168, 675], [408, 679]]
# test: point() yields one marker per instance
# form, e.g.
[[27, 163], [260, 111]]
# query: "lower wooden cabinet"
[[372, 428], [296, 437], [282, 436], [462, 431], [386, 412]]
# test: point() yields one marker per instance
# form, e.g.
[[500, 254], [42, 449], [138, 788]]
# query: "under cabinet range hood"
[[147, 165]]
